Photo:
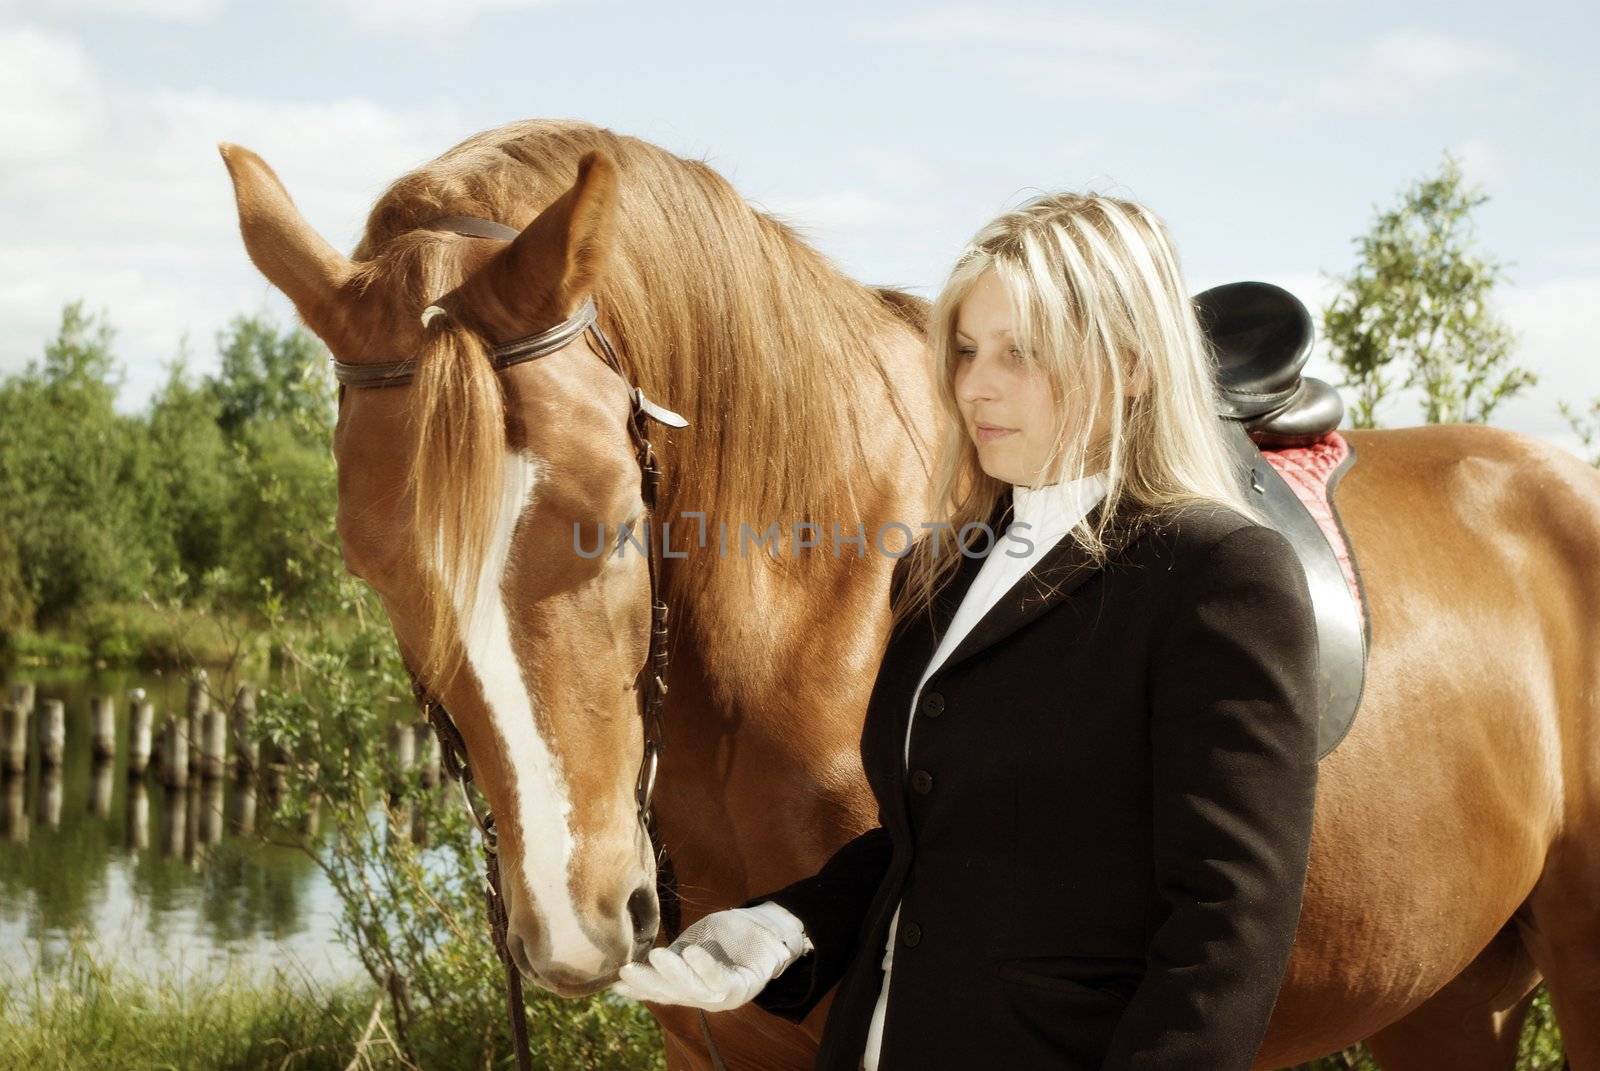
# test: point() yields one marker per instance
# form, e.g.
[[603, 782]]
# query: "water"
[[161, 882]]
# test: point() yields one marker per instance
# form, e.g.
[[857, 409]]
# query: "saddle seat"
[[1261, 335]]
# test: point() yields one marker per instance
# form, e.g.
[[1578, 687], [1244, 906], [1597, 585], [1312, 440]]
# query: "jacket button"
[[910, 934], [922, 782], [933, 704]]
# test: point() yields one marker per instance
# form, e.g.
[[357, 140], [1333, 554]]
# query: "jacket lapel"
[[1059, 572]]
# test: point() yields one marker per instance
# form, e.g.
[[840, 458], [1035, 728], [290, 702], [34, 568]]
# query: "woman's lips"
[[988, 432]]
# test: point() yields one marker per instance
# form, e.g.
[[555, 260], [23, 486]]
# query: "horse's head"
[[459, 493]]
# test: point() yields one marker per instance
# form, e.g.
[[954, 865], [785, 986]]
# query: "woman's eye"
[[965, 353], [1017, 354]]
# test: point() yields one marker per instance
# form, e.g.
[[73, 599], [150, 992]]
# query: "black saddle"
[[1261, 335]]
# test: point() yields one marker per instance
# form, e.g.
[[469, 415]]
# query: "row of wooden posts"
[[199, 742]]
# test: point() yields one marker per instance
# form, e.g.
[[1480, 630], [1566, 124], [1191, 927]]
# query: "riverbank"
[[90, 1014], [141, 636], [132, 635]]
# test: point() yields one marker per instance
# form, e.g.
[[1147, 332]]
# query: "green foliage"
[[223, 483], [68, 465], [1585, 425], [272, 378], [280, 516], [1416, 306]]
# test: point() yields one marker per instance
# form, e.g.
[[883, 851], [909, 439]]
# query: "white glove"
[[720, 962]]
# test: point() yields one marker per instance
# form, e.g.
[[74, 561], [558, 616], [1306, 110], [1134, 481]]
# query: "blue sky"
[[1265, 134]]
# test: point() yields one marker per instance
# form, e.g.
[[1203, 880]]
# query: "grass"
[[88, 1017], [88, 1014]]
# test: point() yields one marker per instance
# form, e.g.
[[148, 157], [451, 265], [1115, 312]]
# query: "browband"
[[399, 373]]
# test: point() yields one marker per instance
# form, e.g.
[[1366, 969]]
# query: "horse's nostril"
[[645, 913]]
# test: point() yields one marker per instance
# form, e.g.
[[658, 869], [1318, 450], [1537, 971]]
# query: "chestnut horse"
[[1456, 850]]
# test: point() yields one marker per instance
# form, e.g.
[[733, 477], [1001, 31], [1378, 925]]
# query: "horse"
[[1455, 859]]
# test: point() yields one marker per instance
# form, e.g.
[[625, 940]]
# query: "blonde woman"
[[1092, 736]]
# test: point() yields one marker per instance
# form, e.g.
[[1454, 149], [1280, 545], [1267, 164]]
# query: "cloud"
[[1579, 256], [837, 212], [135, 213], [176, 10], [1482, 162], [426, 16], [1405, 65], [1557, 323], [1051, 50], [52, 99]]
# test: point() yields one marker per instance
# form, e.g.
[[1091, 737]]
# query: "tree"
[[267, 376], [1417, 305], [69, 466], [188, 485]]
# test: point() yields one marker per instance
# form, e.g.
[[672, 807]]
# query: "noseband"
[[651, 681]]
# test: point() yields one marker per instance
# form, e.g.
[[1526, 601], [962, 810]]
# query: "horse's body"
[[1456, 852]]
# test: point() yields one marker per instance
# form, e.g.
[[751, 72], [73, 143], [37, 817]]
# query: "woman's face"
[[1004, 397]]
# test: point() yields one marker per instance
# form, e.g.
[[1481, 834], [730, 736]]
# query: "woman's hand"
[[720, 962]]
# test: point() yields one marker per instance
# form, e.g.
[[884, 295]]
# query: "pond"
[[162, 881]]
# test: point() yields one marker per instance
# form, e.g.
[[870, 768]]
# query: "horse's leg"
[[1474, 1023], [1562, 931]]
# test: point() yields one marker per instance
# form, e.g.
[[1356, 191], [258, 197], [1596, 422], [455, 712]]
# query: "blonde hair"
[[1098, 298]]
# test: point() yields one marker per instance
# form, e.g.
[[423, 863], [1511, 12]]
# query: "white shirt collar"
[[1055, 507]]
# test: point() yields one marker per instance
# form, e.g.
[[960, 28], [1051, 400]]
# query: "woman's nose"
[[975, 383]]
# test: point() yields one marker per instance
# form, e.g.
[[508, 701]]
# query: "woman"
[[1092, 740]]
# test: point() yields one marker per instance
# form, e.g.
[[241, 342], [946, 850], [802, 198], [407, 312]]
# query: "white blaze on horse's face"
[[558, 936]]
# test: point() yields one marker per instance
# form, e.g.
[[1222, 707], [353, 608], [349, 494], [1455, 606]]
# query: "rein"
[[651, 682]]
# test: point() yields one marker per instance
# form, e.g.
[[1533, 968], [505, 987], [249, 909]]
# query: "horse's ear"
[[560, 257], [293, 256]]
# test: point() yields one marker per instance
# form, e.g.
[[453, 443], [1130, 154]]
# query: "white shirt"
[[1048, 512]]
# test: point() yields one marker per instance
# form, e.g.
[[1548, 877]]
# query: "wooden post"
[[141, 726], [14, 738], [402, 757], [22, 694], [175, 752], [213, 744], [313, 801], [52, 733], [102, 728], [428, 753], [246, 749], [199, 703]]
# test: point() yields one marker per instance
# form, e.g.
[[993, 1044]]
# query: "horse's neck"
[[761, 777]]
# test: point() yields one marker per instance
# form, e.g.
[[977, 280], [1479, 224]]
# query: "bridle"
[[651, 681]]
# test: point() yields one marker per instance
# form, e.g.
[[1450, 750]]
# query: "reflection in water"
[[211, 812], [81, 850], [174, 821], [50, 797], [100, 789], [13, 809], [136, 831], [242, 808]]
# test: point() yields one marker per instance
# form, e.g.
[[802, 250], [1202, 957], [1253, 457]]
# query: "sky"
[[1266, 135]]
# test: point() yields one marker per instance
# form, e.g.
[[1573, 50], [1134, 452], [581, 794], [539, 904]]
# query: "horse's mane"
[[721, 312]]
